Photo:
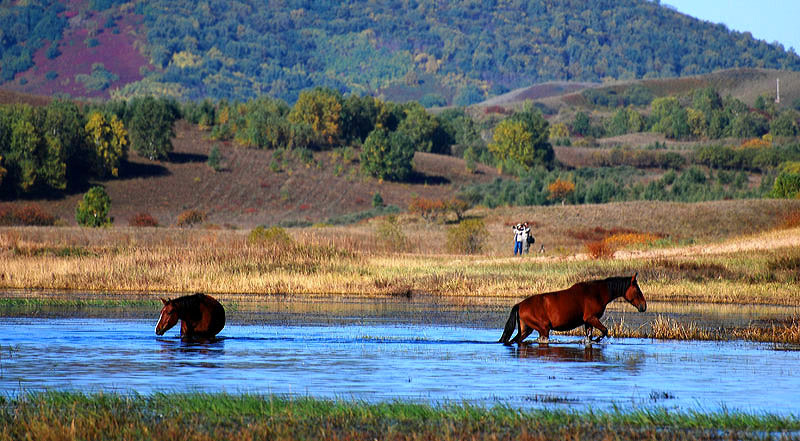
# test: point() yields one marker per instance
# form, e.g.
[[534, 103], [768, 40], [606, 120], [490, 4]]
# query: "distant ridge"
[[440, 53]]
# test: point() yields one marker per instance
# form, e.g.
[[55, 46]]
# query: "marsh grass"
[[667, 328], [69, 415], [27, 303]]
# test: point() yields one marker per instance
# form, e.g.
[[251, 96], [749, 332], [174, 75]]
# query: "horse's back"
[[563, 310], [214, 314]]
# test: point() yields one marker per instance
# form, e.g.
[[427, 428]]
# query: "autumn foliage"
[[30, 214], [143, 220], [432, 209], [560, 189]]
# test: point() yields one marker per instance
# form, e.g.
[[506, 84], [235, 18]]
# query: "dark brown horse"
[[201, 316], [582, 304]]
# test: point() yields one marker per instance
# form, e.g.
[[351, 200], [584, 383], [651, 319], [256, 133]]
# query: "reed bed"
[[334, 261], [72, 416]]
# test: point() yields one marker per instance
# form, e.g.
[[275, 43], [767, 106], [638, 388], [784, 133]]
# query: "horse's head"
[[168, 318], [634, 295]]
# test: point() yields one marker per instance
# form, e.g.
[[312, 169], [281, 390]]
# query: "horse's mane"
[[190, 300], [617, 285]]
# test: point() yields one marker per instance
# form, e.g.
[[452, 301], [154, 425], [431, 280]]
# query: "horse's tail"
[[511, 324]]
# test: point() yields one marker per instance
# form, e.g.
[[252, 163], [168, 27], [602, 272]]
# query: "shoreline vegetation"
[[752, 258], [71, 415]]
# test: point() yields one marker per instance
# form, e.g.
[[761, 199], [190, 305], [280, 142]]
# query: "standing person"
[[527, 238], [518, 239]]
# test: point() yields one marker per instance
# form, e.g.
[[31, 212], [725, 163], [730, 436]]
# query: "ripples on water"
[[390, 355]]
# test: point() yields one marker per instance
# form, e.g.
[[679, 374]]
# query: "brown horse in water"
[[201, 316], [582, 304]]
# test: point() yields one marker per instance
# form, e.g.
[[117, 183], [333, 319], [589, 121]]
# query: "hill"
[[439, 53], [251, 191], [745, 84]]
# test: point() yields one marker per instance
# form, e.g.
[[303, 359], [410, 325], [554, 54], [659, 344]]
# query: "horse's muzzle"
[[642, 307]]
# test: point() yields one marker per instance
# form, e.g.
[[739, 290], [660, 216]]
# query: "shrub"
[[599, 249], [191, 217], [468, 237], [30, 215], [377, 200], [633, 238], [92, 211], [458, 206], [429, 209], [791, 220], [143, 220], [215, 158], [271, 235], [391, 234]]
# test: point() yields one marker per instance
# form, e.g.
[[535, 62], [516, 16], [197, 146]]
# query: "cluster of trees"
[[600, 185], [703, 114], [321, 119], [454, 52], [47, 149]]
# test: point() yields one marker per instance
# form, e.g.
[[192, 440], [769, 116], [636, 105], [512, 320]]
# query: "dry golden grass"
[[668, 328], [743, 267]]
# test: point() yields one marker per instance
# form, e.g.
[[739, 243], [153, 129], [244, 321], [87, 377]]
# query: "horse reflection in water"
[[201, 316], [559, 353], [582, 304]]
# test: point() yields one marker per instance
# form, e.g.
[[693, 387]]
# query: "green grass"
[[69, 415]]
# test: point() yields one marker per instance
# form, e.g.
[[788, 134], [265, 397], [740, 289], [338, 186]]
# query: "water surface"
[[388, 359]]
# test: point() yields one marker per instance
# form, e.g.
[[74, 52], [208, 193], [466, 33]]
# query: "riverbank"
[[170, 416]]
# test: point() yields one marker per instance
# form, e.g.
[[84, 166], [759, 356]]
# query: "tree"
[[321, 109], [785, 124], [523, 138], [93, 210], [560, 189], [387, 155], [424, 130], [558, 131], [748, 125], [109, 141], [64, 129], [359, 115], [581, 125], [151, 127], [698, 124], [670, 118]]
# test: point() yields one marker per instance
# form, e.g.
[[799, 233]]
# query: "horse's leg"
[[587, 340], [544, 336], [528, 332], [595, 323], [523, 331]]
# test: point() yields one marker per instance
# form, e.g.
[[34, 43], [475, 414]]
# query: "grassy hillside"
[[439, 53], [744, 84], [248, 191]]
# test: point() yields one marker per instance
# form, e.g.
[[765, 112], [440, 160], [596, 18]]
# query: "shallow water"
[[381, 360]]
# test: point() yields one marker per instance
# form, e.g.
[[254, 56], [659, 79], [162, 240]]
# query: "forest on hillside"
[[430, 51], [45, 150]]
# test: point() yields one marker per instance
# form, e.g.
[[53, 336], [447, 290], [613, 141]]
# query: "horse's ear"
[[634, 276], [164, 301]]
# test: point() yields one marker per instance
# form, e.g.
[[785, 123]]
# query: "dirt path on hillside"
[[766, 241]]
